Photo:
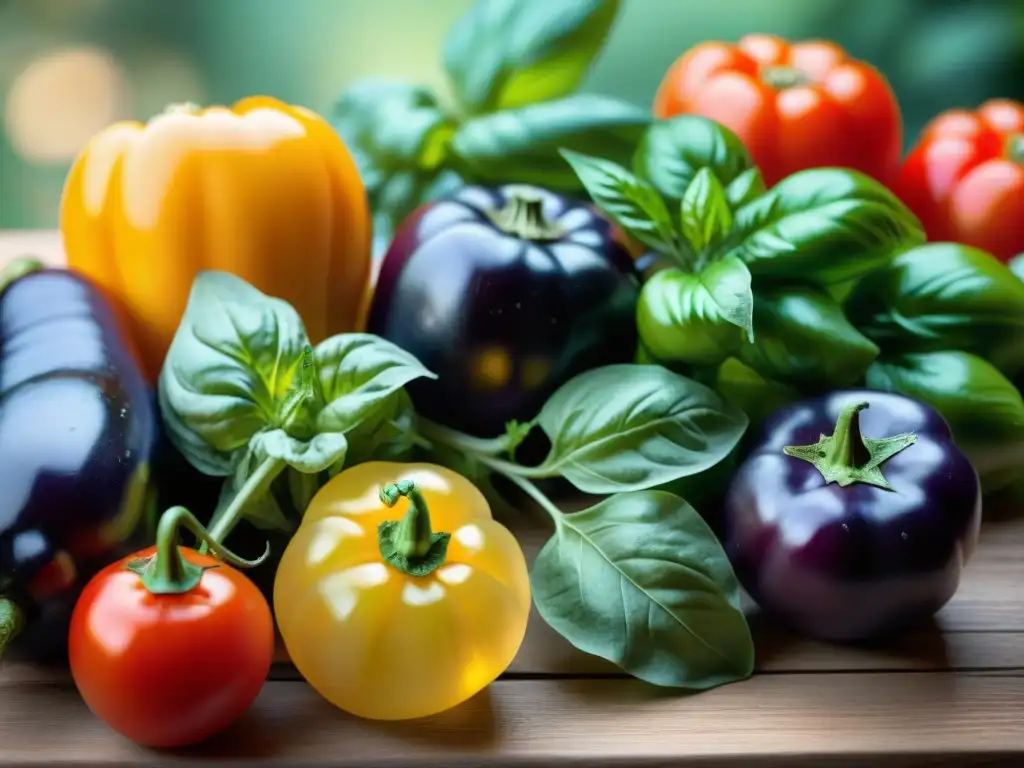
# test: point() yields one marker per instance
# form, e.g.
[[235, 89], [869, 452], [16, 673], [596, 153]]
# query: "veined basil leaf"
[[232, 360], [984, 410], [358, 372], [803, 338], [200, 454], [631, 427], [521, 146], [750, 392], [745, 187], [386, 435], [508, 53], [704, 213], [631, 202], [944, 296], [696, 318], [309, 456], [673, 151], [828, 225], [640, 580]]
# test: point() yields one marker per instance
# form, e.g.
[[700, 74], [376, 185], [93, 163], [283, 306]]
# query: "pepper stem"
[[784, 77], [523, 217], [846, 456], [410, 544], [12, 621], [25, 265], [167, 572]]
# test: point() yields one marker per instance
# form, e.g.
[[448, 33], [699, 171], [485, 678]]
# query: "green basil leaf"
[[309, 456], [748, 186], [507, 53], [263, 510], [302, 487], [944, 296], [640, 580], [704, 213], [630, 427], [522, 145], [1016, 265], [672, 151], [696, 318], [200, 454], [358, 372], [828, 225], [388, 434], [746, 389], [984, 409], [631, 202], [400, 194], [803, 338], [232, 360]]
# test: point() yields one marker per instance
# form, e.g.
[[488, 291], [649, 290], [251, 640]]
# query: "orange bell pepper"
[[264, 190]]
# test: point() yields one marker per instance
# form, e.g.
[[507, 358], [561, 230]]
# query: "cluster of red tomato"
[[809, 104]]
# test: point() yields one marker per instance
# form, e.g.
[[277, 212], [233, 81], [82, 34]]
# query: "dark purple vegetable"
[[505, 294], [854, 516], [77, 431]]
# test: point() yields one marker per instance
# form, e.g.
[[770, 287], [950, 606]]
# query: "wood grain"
[[949, 694]]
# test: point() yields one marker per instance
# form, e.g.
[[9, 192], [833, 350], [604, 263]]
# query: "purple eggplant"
[[505, 294], [77, 434], [854, 515]]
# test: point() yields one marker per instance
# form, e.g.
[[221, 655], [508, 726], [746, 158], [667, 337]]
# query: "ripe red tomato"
[[794, 105], [169, 670], [965, 179]]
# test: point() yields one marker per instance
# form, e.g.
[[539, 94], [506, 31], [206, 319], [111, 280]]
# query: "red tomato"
[[169, 670], [794, 106], [965, 179]]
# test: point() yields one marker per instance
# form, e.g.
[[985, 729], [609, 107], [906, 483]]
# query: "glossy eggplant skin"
[[505, 294], [859, 562], [77, 434]]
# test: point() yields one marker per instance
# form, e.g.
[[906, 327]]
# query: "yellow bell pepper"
[[263, 190], [395, 617]]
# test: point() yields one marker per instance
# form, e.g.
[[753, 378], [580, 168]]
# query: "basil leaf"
[[745, 187], [521, 145], [630, 202], [357, 373], [309, 456], [508, 53], [388, 434], [696, 318], [630, 427], [262, 510], [231, 362], [824, 224], [704, 213], [803, 338], [200, 454], [944, 296], [984, 410], [673, 151], [757, 396], [302, 487], [399, 195], [1016, 265], [640, 580]]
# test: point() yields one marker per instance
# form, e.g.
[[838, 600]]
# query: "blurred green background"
[[69, 67]]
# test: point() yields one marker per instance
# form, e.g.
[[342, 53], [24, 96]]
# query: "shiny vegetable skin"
[[262, 189], [505, 294], [965, 178], [398, 614], [862, 532], [795, 105], [77, 435]]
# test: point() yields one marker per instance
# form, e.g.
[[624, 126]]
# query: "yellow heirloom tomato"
[[393, 616]]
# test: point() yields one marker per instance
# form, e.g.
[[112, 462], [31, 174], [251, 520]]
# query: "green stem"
[[523, 217], [1015, 148], [258, 483], [410, 544], [168, 572], [439, 433], [12, 621], [17, 269], [527, 487]]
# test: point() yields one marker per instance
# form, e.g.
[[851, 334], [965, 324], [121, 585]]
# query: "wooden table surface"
[[950, 695]]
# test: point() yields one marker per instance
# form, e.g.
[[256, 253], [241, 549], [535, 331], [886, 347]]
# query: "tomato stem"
[[12, 621], [784, 77], [523, 217], [18, 268], [167, 572], [410, 544]]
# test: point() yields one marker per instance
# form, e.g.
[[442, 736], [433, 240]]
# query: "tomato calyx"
[[1015, 148], [523, 217], [167, 572], [783, 77], [410, 545]]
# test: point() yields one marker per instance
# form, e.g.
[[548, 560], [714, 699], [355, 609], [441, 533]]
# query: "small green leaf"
[[944, 296], [748, 186], [673, 151], [755, 395], [631, 202], [387, 434], [640, 580], [805, 340], [508, 53], [231, 363], [704, 214], [521, 146], [630, 427], [309, 456], [984, 410], [827, 225], [358, 372]]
